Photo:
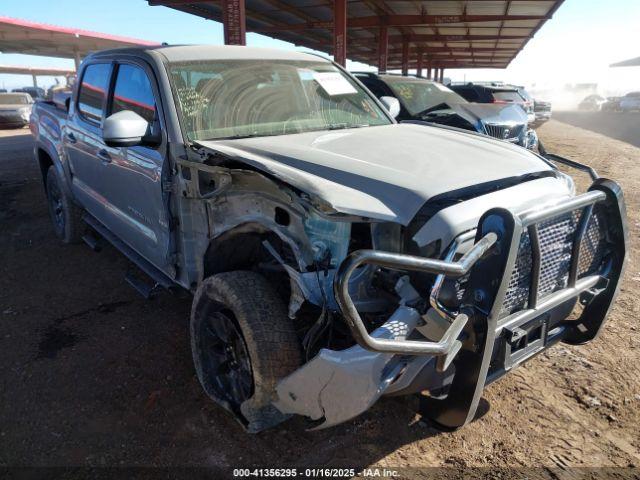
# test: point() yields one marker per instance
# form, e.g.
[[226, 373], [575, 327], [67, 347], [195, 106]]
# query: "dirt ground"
[[621, 126], [93, 375]]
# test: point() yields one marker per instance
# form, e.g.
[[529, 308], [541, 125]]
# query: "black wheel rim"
[[55, 206], [226, 359]]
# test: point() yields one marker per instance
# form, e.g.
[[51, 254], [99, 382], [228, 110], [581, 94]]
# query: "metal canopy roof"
[[35, 70], [22, 36], [633, 62], [447, 33]]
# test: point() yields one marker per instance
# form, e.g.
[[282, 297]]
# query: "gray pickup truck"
[[334, 255]]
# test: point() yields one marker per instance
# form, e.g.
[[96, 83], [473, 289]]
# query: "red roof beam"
[[437, 38], [435, 61], [458, 49], [450, 66], [399, 21], [452, 61]]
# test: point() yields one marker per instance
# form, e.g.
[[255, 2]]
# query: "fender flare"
[[62, 168]]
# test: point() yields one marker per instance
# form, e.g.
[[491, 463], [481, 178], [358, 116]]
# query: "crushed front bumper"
[[484, 339]]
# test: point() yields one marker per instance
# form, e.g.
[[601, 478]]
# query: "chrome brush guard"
[[495, 342]]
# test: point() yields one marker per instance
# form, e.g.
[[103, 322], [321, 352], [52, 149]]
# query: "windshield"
[[419, 95], [14, 99], [247, 98]]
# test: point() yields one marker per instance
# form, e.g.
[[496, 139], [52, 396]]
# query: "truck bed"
[[47, 122]]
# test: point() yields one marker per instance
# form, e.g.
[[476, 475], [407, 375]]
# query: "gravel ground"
[[93, 375]]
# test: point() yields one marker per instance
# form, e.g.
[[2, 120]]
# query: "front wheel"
[[243, 343]]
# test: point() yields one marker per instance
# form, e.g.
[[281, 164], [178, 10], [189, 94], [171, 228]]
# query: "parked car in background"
[[592, 103], [334, 255], [36, 93], [422, 99], [529, 103], [542, 111], [494, 92], [611, 104], [15, 109], [630, 102]]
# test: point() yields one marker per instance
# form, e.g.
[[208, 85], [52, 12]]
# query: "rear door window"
[[133, 92], [93, 91]]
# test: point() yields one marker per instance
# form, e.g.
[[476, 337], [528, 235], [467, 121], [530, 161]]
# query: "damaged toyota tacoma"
[[334, 255]]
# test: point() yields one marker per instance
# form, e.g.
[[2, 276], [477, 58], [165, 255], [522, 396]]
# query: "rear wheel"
[[66, 216], [243, 343]]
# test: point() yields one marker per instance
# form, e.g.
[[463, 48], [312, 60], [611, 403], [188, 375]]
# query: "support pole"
[[419, 69], [442, 75], [340, 31], [234, 22], [76, 59], [35, 80], [383, 49], [429, 70], [405, 58]]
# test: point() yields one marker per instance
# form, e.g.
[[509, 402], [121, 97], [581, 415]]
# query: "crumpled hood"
[[386, 172], [489, 113]]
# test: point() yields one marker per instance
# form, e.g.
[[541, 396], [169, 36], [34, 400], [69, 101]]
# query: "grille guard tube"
[[449, 343]]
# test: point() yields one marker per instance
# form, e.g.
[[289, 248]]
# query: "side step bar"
[[92, 241], [145, 289], [160, 279]]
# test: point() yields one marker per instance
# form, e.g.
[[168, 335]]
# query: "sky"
[[575, 46]]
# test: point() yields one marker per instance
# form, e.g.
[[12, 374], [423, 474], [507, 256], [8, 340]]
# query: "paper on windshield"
[[333, 83]]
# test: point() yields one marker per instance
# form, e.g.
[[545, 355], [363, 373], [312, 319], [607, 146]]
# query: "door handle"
[[71, 138], [104, 155]]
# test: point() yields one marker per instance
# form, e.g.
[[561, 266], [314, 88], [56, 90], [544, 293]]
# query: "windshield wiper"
[[236, 137], [340, 126], [337, 126]]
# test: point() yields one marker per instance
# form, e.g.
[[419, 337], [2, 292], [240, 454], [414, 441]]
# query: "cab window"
[[93, 90], [132, 91]]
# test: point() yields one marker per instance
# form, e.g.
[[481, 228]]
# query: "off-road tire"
[[269, 336], [66, 216]]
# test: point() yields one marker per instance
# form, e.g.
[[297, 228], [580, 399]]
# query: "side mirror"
[[392, 105], [125, 129]]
